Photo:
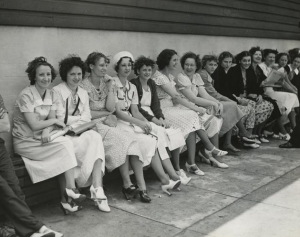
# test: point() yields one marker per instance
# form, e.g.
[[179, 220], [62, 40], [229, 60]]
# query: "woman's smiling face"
[[74, 77], [173, 62], [257, 57], [189, 67], [125, 67], [43, 76], [145, 72]]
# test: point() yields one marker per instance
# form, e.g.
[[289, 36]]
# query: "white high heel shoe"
[[74, 194], [183, 178], [194, 170], [69, 207], [100, 200], [45, 230], [219, 152], [213, 161], [172, 185]]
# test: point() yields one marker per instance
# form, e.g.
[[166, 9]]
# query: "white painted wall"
[[19, 45]]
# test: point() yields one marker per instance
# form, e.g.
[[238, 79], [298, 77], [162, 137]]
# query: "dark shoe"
[[287, 145], [144, 196], [129, 192], [5, 233]]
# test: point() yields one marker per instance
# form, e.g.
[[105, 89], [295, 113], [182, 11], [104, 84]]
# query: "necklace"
[[75, 96]]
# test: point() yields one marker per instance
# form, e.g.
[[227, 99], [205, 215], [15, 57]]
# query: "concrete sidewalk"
[[257, 196]]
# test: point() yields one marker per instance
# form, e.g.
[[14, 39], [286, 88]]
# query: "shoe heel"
[[127, 197], [66, 212], [166, 191]]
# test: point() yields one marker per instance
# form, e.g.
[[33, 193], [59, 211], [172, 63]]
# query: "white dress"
[[88, 145], [286, 99], [128, 96], [42, 160]]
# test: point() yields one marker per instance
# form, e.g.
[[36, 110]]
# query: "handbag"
[[80, 129], [111, 121], [175, 138]]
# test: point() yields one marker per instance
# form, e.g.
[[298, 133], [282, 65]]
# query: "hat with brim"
[[123, 54]]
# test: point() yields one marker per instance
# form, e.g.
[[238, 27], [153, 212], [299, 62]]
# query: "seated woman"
[[239, 85], [31, 127], [135, 124], [231, 113], [185, 117], [191, 88], [283, 60], [286, 101], [120, 149], [149, 107], [254, 78], [72, 107]]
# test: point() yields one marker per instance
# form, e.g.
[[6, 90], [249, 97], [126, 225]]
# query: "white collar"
[[65, 91]]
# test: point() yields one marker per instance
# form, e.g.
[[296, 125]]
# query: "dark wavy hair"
[[224, 55], [34, 64], [295, 56], [93, 58], [293, 53], [119, 62], [208, 58], [164, 58], [66, 64], [278, 56], [253, 50], [241, 55], [192, 55], [268, 51], [141, 61]]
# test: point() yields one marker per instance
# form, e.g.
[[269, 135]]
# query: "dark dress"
[[254, 80], [238, 86]]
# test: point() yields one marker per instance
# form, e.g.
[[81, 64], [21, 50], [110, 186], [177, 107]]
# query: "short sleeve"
[[160, 79], [26, 102], [2, 106], [135, 98], [198, 80], [182, 82]]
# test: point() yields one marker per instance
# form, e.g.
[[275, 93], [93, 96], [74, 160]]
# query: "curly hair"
[[268, 51], [192, 55], [278, 56], [208, 58], [253, 50], [141, 61], [66, 64], [34, 64], [93, 58], [224, 55], [241, 55], [119, 62], [164, 58]]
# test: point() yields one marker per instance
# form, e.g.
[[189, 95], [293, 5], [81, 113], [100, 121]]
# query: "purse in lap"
[[175, 138]]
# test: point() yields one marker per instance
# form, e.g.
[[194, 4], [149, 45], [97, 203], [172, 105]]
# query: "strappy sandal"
[[218, 151], [194, 169]]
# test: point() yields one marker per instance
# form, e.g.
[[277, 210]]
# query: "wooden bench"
[[39, 192]]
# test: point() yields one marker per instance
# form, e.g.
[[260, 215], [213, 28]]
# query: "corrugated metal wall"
[[277, 19]]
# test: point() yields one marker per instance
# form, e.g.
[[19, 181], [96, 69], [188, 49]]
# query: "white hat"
[[120, 55]]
